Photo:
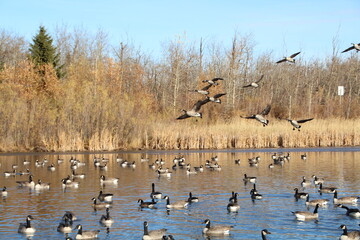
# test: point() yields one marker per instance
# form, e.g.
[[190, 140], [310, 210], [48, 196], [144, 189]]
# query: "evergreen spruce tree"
[[43, 52]]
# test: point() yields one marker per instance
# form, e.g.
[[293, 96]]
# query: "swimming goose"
[[194, 112], [199, 169], [204, 90], [66, 226], [178, 204], [39, 164], [30, 183], [326, 189], [303, 156], [216, 230], [305, 183], [85, 234], [233, 195], [26, 162], [154, 194], [301, 195], [296, 123], [103, 167], [254, 194], [352, 212], [249, 179], [143, 204], [26, 227], [41, 186], [70, 215], [318, 180], [51, 167], [4, 192], [302, 215], [106, 220], [100, 205], [264, 232], [237, 161], [215, 98], [104, 180], [189, 172], [8, 174], [260, 117], [69, 184], [213, 81], [233, 206], [353, 235], [153, 234], [192, 198], [354, 46], [254, 84], [321, 202], [131, 164], [164, 174], [75, 175], [289, 59], [105, 197], [352, 200]]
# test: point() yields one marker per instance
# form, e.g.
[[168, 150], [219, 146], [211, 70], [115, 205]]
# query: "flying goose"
[[302, 215], [260, 117], [321, 202], [85, 234], [178, 204], [194, 112], [354, 235], [254, 84], [154, 194], [26, 227], [204, 90], [352, 200], [143, 204], [215, 98], [301, 195], [213, 81], [352, 212], [354, 46], [264, 232], [289, 59], [296, 123], [216, 230], [153, 234], [326, 189], [106, 220]]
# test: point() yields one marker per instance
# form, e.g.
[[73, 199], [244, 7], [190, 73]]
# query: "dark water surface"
[[339, 167]]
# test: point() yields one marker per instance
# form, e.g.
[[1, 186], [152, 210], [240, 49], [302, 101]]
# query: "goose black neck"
[[80, 230], [146, 232], [263, 236], [28, 223], [316, 208]]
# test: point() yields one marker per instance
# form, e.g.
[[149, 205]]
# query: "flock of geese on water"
[[194, 111], [105, 200]]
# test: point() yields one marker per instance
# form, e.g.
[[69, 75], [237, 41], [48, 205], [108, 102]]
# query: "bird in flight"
[[204, 90], [296, 123], [290, 59], [254, 84], [194, 112], [354, 46], [261, 116], [215, 98], [213, 81]]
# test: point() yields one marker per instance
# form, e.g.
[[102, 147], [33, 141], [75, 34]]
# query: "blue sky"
[[280, 27]]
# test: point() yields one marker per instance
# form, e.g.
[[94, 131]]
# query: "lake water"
[[339, 167]]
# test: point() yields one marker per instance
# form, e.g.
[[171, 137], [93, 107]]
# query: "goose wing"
[[248, 117], [216, 79], [266, 110], [219, 95], [249, 85], [348, 49], [304, 120], [183, 116], [295, 54], [207, 87], [199, 103], [262, 76], [282, 60]]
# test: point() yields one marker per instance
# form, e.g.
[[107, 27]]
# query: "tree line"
[[84, 89]]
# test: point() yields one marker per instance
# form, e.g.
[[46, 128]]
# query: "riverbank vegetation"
[[119, 97]]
